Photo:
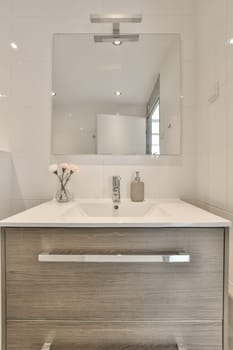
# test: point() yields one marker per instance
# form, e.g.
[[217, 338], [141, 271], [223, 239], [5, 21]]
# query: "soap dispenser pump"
[[137, 189]]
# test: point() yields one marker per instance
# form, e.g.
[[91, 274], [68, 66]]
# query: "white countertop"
[[162, 213]]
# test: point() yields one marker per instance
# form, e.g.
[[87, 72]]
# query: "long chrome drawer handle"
[[173, 257], [48, 346]]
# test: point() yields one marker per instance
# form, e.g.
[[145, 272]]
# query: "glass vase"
[[63, 194]]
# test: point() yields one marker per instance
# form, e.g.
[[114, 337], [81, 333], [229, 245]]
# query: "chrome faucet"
[[116, 189]]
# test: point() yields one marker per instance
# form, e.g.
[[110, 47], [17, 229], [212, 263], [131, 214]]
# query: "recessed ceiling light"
[[118, 93], [230, 41], [117, 42], [53, 93], [3, 95], [14, 46]]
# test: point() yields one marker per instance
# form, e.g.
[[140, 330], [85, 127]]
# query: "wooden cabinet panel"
[[30, 335], [115, 291]]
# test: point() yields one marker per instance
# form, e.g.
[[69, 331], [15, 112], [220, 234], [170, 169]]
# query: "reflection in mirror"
[[116, 99]]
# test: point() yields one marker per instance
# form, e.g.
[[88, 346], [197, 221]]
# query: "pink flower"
[[64, 165], [74, 168]]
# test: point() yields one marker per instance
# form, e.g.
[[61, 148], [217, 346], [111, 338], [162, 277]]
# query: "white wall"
[[74, 129], [6, 166], [6, 173], [214, 138], [121, 134], [27, 73], [5, 156], [73, 126]]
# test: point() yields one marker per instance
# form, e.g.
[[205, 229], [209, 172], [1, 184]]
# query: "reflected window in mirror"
[[153, 120], [155, 145]]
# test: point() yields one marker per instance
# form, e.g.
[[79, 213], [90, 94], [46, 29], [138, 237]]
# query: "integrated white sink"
[[123, 209], [100, 213]]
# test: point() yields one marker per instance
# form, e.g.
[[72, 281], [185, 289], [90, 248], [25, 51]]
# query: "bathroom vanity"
[[75, 279]]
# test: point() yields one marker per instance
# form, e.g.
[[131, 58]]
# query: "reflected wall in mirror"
[[116, 99]]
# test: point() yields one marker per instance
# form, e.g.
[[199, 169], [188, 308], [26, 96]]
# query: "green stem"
[[68, 177], [61, 178]]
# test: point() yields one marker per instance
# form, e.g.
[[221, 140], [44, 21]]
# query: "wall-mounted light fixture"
[[116, 38]]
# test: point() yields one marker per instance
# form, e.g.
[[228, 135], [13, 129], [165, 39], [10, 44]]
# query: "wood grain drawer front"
[[115, 291], [31, 335]]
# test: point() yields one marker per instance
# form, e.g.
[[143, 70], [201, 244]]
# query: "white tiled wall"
[[5, 184], [26, 76], [215, 121], [95, 181]]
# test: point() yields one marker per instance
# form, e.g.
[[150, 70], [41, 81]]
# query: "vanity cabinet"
[[114, 288]]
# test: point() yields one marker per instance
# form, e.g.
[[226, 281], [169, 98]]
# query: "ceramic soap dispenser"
[[137, 189]]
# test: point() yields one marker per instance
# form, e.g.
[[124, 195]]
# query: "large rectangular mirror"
[[112, 99]]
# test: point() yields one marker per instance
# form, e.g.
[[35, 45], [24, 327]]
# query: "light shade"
[[109, 38]]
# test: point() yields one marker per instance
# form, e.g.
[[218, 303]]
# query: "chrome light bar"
[[108, 38], [115, 18]]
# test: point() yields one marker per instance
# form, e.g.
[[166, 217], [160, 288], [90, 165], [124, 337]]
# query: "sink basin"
[[123, 209]]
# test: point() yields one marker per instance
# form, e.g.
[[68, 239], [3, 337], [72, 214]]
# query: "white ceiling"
[[88, 72]]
